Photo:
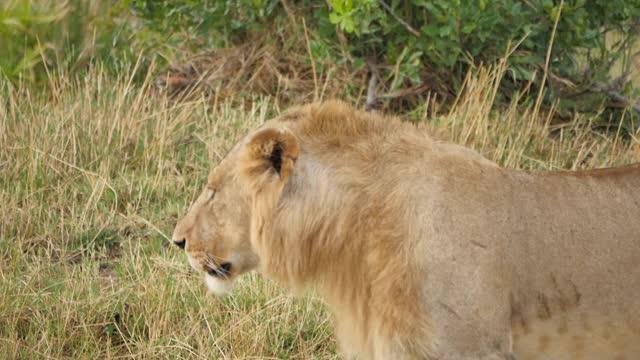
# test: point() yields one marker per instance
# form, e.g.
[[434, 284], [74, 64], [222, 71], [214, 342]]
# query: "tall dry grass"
[[94, 174], [93, 177]]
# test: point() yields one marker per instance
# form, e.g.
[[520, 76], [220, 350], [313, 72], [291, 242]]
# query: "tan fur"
[[424, 249]]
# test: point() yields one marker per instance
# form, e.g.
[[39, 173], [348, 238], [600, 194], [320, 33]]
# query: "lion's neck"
[[350, 246]]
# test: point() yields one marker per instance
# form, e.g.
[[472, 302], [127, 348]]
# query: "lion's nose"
[[180, 243]]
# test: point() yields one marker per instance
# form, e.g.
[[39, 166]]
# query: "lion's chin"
[[217, 286]]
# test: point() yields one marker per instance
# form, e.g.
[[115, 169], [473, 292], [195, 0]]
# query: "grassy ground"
[[94, 175]]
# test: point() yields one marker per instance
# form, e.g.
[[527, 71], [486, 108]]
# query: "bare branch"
[[414, 90], [617, 97], [372, 99], [404, 23], [372, 90]]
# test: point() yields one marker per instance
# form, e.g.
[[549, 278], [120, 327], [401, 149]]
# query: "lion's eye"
[[213, 195]]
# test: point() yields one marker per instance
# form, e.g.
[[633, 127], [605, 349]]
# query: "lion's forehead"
[[221, 172]]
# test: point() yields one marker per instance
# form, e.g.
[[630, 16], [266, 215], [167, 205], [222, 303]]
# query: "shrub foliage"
[[414, 41], [408, 43]]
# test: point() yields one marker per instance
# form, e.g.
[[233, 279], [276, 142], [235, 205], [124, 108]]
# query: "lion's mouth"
[[222, 272]]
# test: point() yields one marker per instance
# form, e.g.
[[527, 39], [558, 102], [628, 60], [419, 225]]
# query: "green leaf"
[[445, 31], [338, 6], [334, 18], [347, 25], [468, 28], [13, 23]]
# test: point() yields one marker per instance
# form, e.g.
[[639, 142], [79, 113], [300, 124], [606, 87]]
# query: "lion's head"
[[314, 198], [216, 231]]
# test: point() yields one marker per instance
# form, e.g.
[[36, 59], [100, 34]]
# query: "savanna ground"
[[95, 175]]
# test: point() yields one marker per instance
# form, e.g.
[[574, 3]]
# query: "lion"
[[421, 248]]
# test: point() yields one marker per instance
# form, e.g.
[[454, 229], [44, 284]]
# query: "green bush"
[[449, 36], [20, 47], [413, 42], [56, 35], [416, 40], [195, 25]]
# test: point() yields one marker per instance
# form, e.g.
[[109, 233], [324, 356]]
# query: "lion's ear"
[[270, 156]]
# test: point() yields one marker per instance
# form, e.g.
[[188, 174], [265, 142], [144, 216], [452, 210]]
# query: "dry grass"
[[94, 175], [275, 67], [93, 178], [522, 135]]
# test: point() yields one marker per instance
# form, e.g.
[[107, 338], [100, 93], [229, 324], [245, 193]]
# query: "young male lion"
[[424, 249]]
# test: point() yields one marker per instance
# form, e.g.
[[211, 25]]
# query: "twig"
[[372, 100], [418, 89], [621, 98], [548, 57], [611, 90], [292, 18], [373, 97], [313, 62], [566, 82], [404, 23]]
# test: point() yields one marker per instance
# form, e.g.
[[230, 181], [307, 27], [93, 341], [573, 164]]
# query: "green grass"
[[95, 173]]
